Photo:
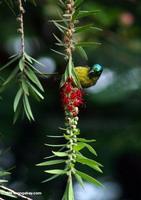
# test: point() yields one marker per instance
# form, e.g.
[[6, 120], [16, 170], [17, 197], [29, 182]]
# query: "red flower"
[[72, 97]]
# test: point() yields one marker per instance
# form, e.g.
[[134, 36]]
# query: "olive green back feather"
[[84, 78]]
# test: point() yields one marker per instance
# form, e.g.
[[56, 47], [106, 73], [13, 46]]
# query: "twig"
[[21, 25], [68, 37], [13, 192]]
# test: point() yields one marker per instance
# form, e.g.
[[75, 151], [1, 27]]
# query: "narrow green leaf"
[[60, 44], [91, 163], [32, 76], [50, 179], [10, 62], [28, 58], [51, 162], [62, 3], [58, 39], [79, 179], [86, 13], [55, 136], [21, 64], [3, 181], [90, 148], [83, 28], [11, 76], [55, 145], [85, 140], [82, 52], [17, 99], [25, 87], [86, 44], [17, 113], [60, 154], [88, 178], [53, 156], [4, 173], [56, 171], [5, 193], [36, 61], [26, 111], [14, 55], [70, 190], [65, 196], [28, 108], [58, 26], [58, 52], [81, 145], [35, 90], [67, 137], [68, 72], [27, 64], [88, 27], [69, 67]]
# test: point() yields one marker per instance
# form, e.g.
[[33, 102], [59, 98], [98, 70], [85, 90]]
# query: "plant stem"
[[68, 37], [14, 193], [21, 25]]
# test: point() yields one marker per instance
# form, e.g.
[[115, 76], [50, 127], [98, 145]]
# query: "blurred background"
[[112, 114]]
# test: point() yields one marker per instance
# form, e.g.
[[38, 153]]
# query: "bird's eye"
[[95, 71], [97, 68]]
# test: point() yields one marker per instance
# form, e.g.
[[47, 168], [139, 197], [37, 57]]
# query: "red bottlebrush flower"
[[67, 87], [71, 97], [65, 100], [70, 108]]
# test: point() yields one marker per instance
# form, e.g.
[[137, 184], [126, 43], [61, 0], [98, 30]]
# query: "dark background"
[[112, 114]]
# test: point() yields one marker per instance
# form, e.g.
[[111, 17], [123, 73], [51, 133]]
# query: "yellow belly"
[[83, 76]]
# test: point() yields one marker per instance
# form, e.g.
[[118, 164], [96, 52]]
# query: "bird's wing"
[[83, 75]]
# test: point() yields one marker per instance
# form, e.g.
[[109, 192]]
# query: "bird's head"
[[95, 71]]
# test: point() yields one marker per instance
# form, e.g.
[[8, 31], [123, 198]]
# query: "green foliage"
[[3, 192], [70, 72], [26, 75], [68, 195], [6, 193], [63, 23], [70, 26], [10, 4], [88, 178], [29, 85], [66, 162]]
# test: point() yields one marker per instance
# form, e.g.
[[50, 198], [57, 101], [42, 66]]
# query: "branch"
[[21, 25], [68, 37], [13, 192]]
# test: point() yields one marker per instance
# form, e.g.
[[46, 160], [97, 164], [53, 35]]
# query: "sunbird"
[[88, 76]]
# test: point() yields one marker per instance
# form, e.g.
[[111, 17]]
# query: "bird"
[[88, 76]]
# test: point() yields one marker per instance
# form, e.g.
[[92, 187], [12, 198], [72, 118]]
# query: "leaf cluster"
[[70, 72], [63, 155], [25, 74], [2, 181], [63, 23]]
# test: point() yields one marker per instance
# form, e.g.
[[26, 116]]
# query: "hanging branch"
[[72, 97], [24, 73], [21, 25], [11, 193], [7, 192], [68, 35]]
